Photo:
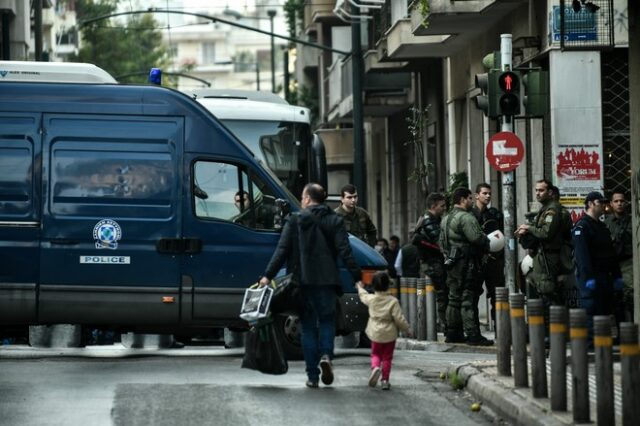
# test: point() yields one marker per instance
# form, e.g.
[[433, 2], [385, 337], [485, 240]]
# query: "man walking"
[[619, 224], [310, 242], [356, 219], [544, 239], [490, 220], [598, 272], [463, 245], [426, 239]]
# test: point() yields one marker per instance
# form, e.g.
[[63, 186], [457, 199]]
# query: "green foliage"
[[456, 180], [423, 6], [416, 124], [293, 10], [456, 381], [135, 47]]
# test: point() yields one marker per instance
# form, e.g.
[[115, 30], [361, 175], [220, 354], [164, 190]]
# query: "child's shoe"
[[385, 385], [373, 378]]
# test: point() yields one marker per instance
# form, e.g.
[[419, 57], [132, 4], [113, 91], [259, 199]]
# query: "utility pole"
[[272, 14], [37, 17], [508, 199], [357, 63], [285, 51]]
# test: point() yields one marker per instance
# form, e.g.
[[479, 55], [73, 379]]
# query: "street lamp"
[[256, 64]]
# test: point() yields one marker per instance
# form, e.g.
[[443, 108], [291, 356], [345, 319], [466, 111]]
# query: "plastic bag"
[[263, 351], [256, 302], [286, 296]]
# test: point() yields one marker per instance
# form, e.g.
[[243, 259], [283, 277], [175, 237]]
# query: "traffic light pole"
[[508, 198]]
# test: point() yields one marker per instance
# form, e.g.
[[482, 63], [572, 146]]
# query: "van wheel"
[[289, 332]]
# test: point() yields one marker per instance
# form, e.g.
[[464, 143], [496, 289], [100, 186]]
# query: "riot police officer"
[[356, 219], [463, 245], [432, 263], [619, 224], [598, 272], [490, 220]]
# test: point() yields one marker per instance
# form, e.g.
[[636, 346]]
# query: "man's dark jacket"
[[310, 243]]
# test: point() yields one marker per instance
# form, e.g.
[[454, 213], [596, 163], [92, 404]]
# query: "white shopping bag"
[[255, 304]]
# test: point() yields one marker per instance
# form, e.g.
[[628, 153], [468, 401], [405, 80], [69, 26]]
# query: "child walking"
[[385, 319]]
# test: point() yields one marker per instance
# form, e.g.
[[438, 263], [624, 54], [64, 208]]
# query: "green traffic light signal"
[[536, 93], [509, 102]]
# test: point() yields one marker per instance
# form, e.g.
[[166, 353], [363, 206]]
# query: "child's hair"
[[380, 281]]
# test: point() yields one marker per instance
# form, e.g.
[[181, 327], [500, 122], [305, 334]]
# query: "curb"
[[503, 400]]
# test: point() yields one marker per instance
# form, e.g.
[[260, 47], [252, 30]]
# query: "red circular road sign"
[[505, 151]]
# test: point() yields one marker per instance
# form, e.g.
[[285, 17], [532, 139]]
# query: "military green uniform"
[[463, 244], [549, 236], [426, 239], [620, 228], [359, 224]]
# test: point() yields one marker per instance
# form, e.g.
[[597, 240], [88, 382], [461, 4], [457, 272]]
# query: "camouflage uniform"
[[359, 224], [432, 262], [548, 236], [620, 228], [463, 245]]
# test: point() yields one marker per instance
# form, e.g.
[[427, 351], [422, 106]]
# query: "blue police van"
[[132, 207]]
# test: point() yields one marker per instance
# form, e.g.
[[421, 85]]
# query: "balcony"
[[316, 11]]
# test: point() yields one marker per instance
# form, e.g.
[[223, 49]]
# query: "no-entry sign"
[[505, 151]]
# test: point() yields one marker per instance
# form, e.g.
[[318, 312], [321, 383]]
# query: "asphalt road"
[[214, 390]]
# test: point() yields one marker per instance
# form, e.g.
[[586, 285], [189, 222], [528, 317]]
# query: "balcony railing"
[[335, 85]]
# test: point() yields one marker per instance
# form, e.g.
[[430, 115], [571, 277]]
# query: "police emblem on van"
[[106, 234]]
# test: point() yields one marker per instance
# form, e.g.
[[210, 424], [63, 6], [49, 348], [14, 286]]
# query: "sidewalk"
[[517, 404]]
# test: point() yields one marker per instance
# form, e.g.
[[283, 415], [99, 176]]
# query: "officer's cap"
[[594, 196]]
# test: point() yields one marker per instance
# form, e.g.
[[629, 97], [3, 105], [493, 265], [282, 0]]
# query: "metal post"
[[579, 365], [272, 14], [558, 356], [286, 73], [404, 301], [503, 331], [508, 199], [431, 318], [37, 33], [421, 310], [630, 373], [603, 343], [535, 313], [412, 284], [359, 173], [257, 76], [519, 339]]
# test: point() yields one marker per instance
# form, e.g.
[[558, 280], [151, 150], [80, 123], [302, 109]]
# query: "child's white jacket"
[[385, 316]]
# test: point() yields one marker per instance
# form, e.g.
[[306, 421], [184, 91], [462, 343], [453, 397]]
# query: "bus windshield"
[[283, 146]]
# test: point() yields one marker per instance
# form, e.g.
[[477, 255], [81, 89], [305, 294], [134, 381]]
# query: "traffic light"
[[509, 102], [536, 93], [487, 101]]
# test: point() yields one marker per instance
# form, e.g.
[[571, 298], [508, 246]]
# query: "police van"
[[117, 209]]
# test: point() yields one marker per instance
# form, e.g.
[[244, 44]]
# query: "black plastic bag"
[[263, 351], [286, 296]]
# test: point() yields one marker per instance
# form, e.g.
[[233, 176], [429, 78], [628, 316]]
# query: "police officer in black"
[[431, 258], [490, 219], [598, 272]]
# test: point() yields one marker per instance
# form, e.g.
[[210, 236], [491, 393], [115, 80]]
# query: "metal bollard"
[[412, 301], [558, 355], [404, 304], [519, 339], [630, 373], [421, 310], [432, 314], [535, 314], [503, 331], [603, 343], [579, 365]]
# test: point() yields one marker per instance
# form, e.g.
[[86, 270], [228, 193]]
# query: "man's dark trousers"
[[318, 320]]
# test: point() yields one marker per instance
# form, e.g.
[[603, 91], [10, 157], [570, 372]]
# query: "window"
[[224, 191], [208, 53]]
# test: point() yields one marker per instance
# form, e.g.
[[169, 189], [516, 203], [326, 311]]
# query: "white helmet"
[[526, 264], [496, 241]]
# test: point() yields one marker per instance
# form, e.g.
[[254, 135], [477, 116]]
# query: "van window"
[[225, 191], [16, 179]]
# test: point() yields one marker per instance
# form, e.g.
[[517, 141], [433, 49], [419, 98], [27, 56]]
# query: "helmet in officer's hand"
[[526, 264], [496, 241]]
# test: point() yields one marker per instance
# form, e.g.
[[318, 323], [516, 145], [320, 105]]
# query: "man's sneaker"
[[385, 385], [453, 337], [375, 375], [479, 341], [312, 384], [326, 370]]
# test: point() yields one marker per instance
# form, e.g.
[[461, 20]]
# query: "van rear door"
[[20, 153], [111, 194]]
